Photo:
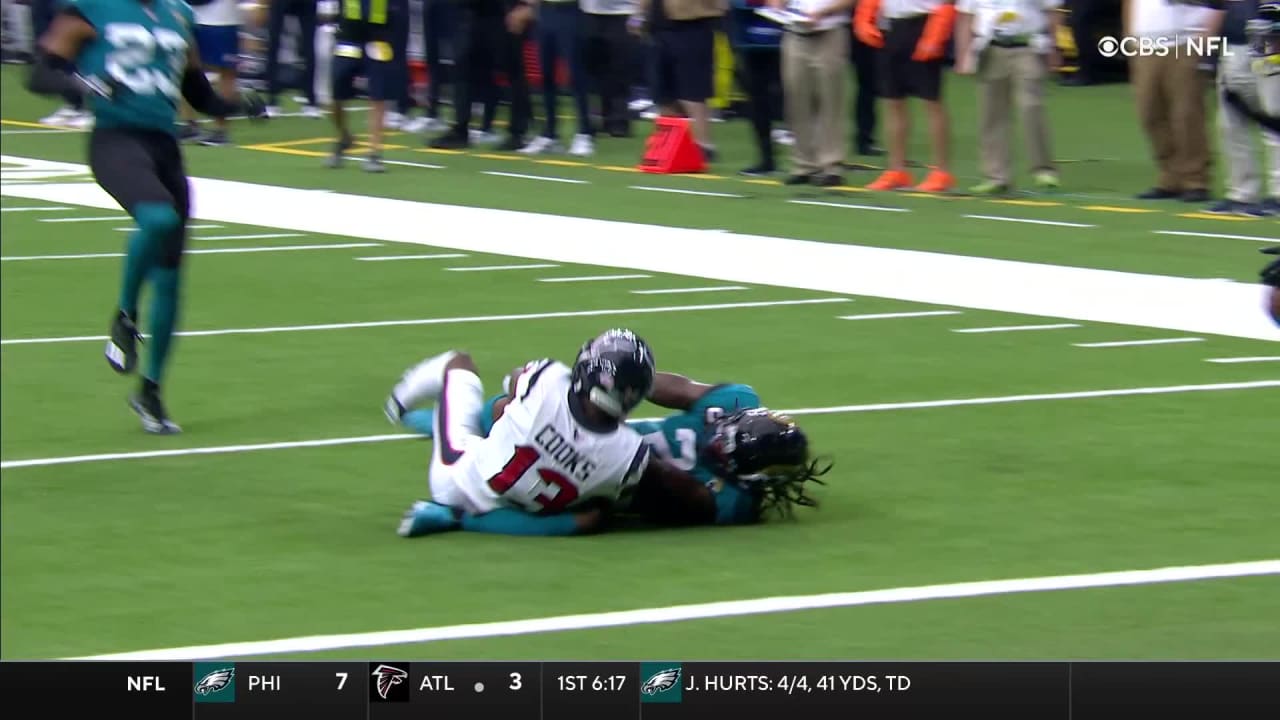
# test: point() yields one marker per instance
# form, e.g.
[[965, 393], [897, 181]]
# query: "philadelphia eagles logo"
[[388, 676], [661, 682], [215, 681]]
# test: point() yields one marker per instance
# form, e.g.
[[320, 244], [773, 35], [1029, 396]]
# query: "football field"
[[1054, 418]]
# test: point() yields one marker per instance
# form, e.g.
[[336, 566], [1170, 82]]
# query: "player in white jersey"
[[559, 457], [218, 37]]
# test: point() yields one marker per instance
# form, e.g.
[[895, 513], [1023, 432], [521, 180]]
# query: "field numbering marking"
[[705, 611]]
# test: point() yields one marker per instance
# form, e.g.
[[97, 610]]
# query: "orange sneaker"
[[937, 181], [891, 180]]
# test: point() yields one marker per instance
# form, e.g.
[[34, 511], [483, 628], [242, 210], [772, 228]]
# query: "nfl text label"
[[797, 683]]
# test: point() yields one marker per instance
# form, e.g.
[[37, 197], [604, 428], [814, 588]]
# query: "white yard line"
[[1016, 328], [259, 236], [1133, 343], [1221, 236], [1233, 360], [593, 278], [199, 251], [888, 316], [431, 256], [1057, 223], [487, 268], [444, 320], [408, 163], [676, 291], [830, 410], [704, 611], [51, 208], [547, 178], [702, 193], [848, 206], [99, 218]]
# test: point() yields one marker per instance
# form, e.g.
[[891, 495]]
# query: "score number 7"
[[541, 497], [342, 679]]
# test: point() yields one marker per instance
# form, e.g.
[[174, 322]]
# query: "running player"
[[133, 60]]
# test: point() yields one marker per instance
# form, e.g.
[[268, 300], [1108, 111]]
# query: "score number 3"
[[541, 497]]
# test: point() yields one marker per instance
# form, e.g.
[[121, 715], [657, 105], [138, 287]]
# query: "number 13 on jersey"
[[544, 490]]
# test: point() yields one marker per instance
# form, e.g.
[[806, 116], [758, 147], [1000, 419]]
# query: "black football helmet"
[[614, 372], [765, 452]]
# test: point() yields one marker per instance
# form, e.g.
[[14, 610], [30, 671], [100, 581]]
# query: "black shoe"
[[512, 143], [1195, 196], [122, 348], [146, 403], [798, 180], [828, 180], [708, 152], [339, 152], [1159, 193], [452, 140], [760, 170], [870, 150]]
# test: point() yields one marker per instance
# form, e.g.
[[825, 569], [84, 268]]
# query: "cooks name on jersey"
[[558, 448], [435, 683]]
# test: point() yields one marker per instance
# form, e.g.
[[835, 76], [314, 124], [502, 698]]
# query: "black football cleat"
[[146, 403], [122, 347]]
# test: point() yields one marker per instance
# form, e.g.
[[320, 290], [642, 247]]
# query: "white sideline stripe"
[[548, 178], [189, 227], [85, 219], [260, 236], [1002, 218], [443, 321], [849, 206], [593, 278], [673, 291], [703, 611], [703, 193], [436, 256], [1217, 235], [836, 409], [482, 268], [1016, 328], [407, 163], [200, 251], [886, 316], [1261, 358], [1132, 343], [35, 209]]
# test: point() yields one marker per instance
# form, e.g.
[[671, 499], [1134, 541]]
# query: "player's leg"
[[346, 64], [380, 73], [422, 420], [166, 280], [126, 170], [453, 379]]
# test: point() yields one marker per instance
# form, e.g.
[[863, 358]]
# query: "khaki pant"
[[814, 80], [1170, 96], [1244, 180], [1008, 76]]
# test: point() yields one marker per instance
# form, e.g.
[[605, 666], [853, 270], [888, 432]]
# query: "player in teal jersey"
[[720, 431], [132, 60]]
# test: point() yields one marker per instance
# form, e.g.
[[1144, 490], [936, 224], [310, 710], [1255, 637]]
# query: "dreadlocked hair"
[[782, 494]]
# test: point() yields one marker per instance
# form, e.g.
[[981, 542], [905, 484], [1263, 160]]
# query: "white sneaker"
[[80, 120], [415, 125], [639, 104], [392, 121], [480, 137], [311, 111], [783, 137], [539, 145], [273, 111], [60, 116], [649, 114], [582, 145], [436, 125]]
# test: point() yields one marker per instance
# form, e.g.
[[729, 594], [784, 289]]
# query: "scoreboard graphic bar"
[[395, 690]]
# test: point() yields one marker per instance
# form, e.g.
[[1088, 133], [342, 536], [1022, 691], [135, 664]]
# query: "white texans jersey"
[[539, 458]]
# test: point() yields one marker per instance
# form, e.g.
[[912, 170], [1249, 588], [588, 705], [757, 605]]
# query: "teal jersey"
[[681, 439], [143, 49]]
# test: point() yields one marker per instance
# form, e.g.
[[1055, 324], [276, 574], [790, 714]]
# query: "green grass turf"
[[127, 555]]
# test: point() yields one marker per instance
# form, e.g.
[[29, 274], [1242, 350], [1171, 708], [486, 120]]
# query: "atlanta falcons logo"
[[387, 677], [215, 681], [661, 681]]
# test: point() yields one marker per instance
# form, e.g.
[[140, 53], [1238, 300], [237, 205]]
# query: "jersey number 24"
[[541, 497]]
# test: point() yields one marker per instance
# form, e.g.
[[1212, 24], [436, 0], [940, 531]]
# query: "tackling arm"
[[669, 495], [676, 392]]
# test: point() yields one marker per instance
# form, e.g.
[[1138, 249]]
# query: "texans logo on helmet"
[[389, 683]]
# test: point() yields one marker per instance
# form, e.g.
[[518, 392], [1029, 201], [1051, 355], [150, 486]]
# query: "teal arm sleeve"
[[506, 521], [736, 507]]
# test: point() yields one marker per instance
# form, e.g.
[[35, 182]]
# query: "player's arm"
[[676, 392], [669, 495], [53, 72], [198, 93]]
